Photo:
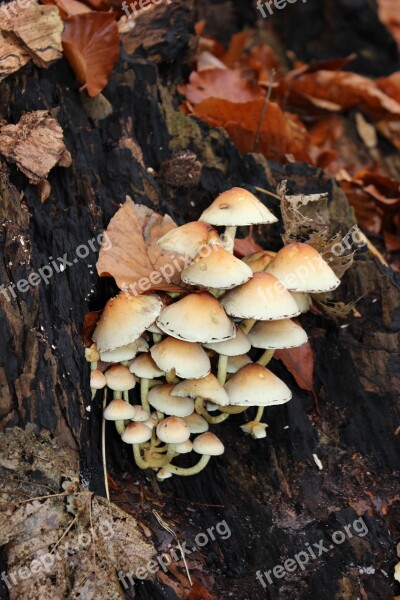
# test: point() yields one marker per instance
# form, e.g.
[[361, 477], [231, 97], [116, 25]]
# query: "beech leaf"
[[300, 363]]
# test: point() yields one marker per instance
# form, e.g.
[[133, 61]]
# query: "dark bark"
[[270, 492]]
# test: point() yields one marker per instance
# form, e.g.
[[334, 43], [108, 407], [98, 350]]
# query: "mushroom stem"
[[161, 461], [93, 367], [231, 233], [142, 464], [203, 462], [103, 447], [119, 425], [126, 396], [265, 358], [233, 410], [259, 414], [201, 410], [246, 325], [222, 365], [171, 377], [144, 390], [156, 338]]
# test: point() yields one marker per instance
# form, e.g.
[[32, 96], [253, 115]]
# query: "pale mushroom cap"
[[259, 261], [208, 443], [255, 385], [302, 300], [237, 207], [163, 474], [154, 329], [97, 380], [141, 415], [255, 429], [277, 334], [92, 354], [237, 345], [197, 318], [197, 423], [184, 447], [188, 359], [161, 399], [120, 378], [262, 298], [143, 366], [208, 388], [237, 362], [186, 239], [124, 319], [151, 423], [136, 433], [173, 430], [126, 352], [119, 410], [302, 269], [215, 267]]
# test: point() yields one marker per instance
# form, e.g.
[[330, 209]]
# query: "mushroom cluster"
[[189, 351]]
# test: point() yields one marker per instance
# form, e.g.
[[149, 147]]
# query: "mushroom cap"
[[154, 329], [97, 380], [277, 334], [143, 366], [197, 423], [136, 433], [263, 298], [173, 430], [215, 267], [188, 359], [208, 388], [302, 269], [237, 362], [161, 399], [259, 261], [141, 415], [197, 317], [124, 319], [126, 352], [255, 429], [237, 345], [237, 207], [186, 239], [119, 410], [255, 385], [163, 474], [120, 378], [208, 443], [92, 354], [184, 447], [151, 422], [302, 300]]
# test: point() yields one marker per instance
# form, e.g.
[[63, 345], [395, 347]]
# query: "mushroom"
[[302, 269], [146, 369], [207, 444], [97, 380], [273, 335], [234, 208], [141, 415], [255, 385], [259, 261], [186, 239], [237, 362], [234, 347], [302, 300], [161, 399], [198, 317], [119, 411], [124, 319], [124, 353], [216, 268], [135, 434], [163, 474], [120, 380], [206, 388], [255, 429], [187, 360], [197, 423]]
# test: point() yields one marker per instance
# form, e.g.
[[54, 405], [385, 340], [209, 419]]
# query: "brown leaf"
[[236, 47], [198, 592], [35, 144], [91, 45], [37, 28], [68, 8], [134, 255], [89, 325], [228, 84], [44, 189], [388, 11], [246, 246], [300, 363]]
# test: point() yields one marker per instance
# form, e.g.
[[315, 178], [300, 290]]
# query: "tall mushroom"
[[146, 369]]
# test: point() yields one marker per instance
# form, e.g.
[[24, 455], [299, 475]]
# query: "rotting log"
[[271, 492]]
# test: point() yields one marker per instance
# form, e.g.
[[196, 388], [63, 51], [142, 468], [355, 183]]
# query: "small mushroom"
[[207, 444], [188, 360], [124, 353], [216, 268], [136, 434], [186, 239], [234, 347], [161, 399], [274, 335], [119, 411], [146, 369]]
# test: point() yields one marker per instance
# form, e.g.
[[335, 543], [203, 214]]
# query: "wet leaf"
[[300, 363], [91, 45]]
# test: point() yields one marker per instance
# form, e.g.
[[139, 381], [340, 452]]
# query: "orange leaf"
[[220, 83], [235, 49], [68, 8], [131, 255], [300, 363], [246, 246], [91, 45], [89, 325], [198, 592]]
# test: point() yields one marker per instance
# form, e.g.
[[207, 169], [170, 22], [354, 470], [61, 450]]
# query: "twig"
[[103, 447], [172, 532], [259, 189], [264, 110]]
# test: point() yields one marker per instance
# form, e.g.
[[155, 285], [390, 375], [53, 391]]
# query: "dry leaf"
[[246, 246], [91, 45], [68, 8], [134, 254], [300, 363], [227, 84], [388, 11], [35, 145], [198, 592], [37, 28]]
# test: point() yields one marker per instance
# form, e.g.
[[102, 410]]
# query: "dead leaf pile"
[[35, 144]]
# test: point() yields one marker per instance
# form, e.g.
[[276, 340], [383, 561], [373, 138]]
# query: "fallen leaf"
[[91, 45], [227, 84], [68, 8], [236, 47], [37, 28], [300, 363], [198, 592], [134, 256], [246, 246], [89, 325], [388, 11], [44, 189], [35, 144]]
